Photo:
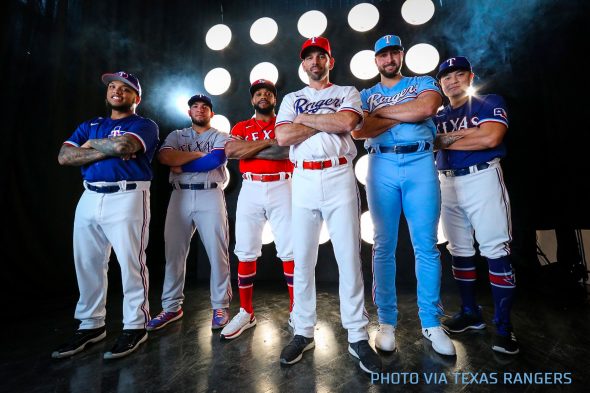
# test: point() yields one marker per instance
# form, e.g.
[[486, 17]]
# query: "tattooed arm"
[[121, 146], [77, 156]]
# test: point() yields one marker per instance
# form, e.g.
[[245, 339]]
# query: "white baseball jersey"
[[322, 145]]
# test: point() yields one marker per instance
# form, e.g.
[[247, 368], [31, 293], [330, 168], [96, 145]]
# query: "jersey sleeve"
[[493, 109], [81, 134], [171, 141], [220, 140], [146, 131], [287, 111], [238, 131], [352, 102], [428, 83], [364, 100]]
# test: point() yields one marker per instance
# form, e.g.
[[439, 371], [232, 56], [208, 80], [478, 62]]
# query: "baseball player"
[[197, 170], [399, 135], [115, 155], [474, 198], [265, 195], [316, 122]]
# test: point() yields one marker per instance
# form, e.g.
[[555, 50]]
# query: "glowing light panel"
[[264, 70], [228, 178], [312, 24], [417, 12], [324, 235], [181, 103], [217, 81], [221, 123], [362, 65], [218, 37], [267, 236], [361, 168], [363, 17], [302, 75], [367, 229], [440, 234], [422, 58], [264, 30]]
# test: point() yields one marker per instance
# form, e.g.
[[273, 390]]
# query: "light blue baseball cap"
[[388, 41]]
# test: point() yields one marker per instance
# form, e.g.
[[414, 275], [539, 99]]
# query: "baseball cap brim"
[[108, 78], [259, 86]]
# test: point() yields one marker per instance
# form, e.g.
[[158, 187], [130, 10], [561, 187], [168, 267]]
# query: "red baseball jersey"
[[254, 130]]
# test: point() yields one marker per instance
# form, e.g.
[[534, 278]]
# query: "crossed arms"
[[266, 148], [124, 147], [306, 125], [485, 136]]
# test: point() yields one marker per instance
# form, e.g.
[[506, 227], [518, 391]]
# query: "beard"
[[118, 108], [264, 111], [200, 123], [317, 76], [389, 74]]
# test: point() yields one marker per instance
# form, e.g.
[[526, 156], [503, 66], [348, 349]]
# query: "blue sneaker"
[[220, 318], [163, 319]]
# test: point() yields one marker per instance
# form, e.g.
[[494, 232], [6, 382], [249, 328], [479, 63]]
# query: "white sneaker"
[[441, 343], [385, 338], [240, 322]]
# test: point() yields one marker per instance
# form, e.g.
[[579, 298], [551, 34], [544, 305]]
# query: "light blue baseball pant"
[[408, 183]]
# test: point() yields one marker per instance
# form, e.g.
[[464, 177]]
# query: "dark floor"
[[188, 357]]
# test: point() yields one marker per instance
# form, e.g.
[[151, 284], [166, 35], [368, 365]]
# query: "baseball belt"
[[265, 177], [323, 164], [465, 171], [400, 149], [110, 189], [193, 186]]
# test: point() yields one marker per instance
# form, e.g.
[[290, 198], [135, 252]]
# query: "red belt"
[[265, 178], [323, 164]]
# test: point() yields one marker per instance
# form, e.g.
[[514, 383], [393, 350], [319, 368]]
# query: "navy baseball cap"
[[125, 77], [260, 83], [200, 98], [316, 42], [388, 41], [453, 64]]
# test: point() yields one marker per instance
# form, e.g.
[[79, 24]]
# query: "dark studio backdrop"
[[533, 52]]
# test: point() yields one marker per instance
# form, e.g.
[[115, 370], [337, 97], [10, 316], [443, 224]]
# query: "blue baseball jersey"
[[476, 111], [112, 169], [407, 89]]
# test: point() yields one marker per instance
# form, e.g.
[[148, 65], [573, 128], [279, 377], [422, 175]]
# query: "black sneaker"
[[369, 361], [505, 344], [293, 352], [82, 337], [464, 320], [127, 342]]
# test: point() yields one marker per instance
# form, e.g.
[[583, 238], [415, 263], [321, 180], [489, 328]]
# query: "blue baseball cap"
[[388, 41], [125, 77], [453, 64], [200, 98]]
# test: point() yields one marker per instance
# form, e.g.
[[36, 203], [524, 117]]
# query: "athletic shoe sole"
[[470, 327], [110, 355], [439, 350], [61, 355], [504, 350], [153, 329], [298, 358], [356, 355], [237, 333]]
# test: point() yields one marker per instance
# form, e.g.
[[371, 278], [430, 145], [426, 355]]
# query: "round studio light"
[[362, 65], [361, 168], [363, 17], [267, 236], [227, 180], [264, 30], [312, 24], [440, 234], [217, 81], [302, 75], [221, 123], [324, 234], [417, 12], [264, 70], [218, 37], [422, 58], [367, 229]]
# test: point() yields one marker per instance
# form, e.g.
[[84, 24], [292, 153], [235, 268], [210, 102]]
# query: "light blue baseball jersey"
[[113, 169], [407, 89]]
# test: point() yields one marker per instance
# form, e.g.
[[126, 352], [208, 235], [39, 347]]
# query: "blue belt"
[[110, 189], [193, 186], [465, 171], [399, 149]]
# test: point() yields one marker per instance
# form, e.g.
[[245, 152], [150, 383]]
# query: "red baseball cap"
[[260, 83], [316, 42]]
